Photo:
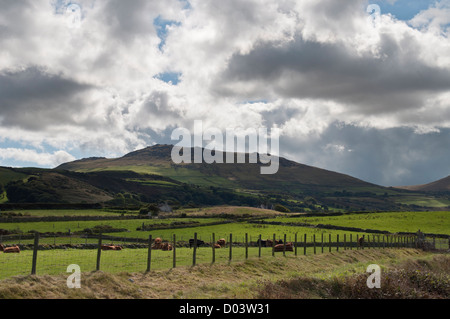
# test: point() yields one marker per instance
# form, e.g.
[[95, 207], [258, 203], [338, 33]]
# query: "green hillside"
[[150, 176]]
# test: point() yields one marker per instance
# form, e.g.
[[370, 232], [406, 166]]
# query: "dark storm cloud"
[[33, 99], [129, 20], [389, 157], [397, 80]]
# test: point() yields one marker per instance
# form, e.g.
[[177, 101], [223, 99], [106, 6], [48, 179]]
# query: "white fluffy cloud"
[[83, 76], [32, 156]]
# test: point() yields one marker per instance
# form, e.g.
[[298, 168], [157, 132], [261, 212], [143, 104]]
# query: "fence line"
[[153, 254]]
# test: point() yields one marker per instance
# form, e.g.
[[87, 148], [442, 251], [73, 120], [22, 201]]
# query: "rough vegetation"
[[407, 274]]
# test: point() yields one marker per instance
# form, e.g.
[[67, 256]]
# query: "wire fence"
[[51, 255]]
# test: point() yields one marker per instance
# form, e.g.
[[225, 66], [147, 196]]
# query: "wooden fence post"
[[231, 247], [304, 245], [246, 246], [314, 243], [345, 241], [194, 256], [273, 245], [329, 242], [284, 246], [259, 246], [322, 243], [337, 243], [351, 242], [295, 244], [174, 251], [35, 252], [213, 248], [368, 242], [99, 252], [149, 254]]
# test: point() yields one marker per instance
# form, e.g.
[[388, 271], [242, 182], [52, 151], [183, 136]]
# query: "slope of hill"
[[150, 176], [48, 186], [291, 177], [442, 185], [296, 186]]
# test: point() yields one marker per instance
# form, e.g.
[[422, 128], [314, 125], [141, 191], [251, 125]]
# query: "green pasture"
[[238, 231], [7, 175], [76, 226], [428, 222], [53, 262], [426, 201], [67, 212], [180, 174]]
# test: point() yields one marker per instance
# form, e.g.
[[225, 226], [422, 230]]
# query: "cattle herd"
[[219, 244], [159, 244]]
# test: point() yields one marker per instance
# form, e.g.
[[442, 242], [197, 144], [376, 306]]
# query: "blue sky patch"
[[162, 31], [169, 77], [403, 9]]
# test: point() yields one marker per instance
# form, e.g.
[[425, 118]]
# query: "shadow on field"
[[420, 279]]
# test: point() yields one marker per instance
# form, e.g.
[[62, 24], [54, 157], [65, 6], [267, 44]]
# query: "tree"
[[154, 210], [281, 208]]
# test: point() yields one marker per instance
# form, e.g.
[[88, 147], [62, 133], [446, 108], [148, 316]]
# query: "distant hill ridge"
[[442, 185], [157, 159]]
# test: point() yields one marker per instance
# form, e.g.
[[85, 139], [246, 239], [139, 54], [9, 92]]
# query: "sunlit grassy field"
[[76, 226], [52, 262], [428, 222]]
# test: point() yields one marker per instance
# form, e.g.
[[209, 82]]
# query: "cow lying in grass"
[[280, 247], [269, 243], [221, 242], [157, 244], [199, 243], [111, 247], [160, 245], [10, 250]]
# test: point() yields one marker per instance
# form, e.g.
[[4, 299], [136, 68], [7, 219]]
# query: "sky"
[[358, 87]]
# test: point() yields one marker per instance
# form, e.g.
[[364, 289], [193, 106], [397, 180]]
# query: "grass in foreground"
[[294, 277]]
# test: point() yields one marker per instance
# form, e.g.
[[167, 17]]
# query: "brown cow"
[[166, 247], [361, 241], [158, 243], [280, 247], [10, 250], [217, 246], [111, 247], [222, 242]]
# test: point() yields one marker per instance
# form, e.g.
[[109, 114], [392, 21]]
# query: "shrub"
[[281, 208]]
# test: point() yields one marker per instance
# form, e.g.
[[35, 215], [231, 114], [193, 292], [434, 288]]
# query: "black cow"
[[268, 242], [199, 243]]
